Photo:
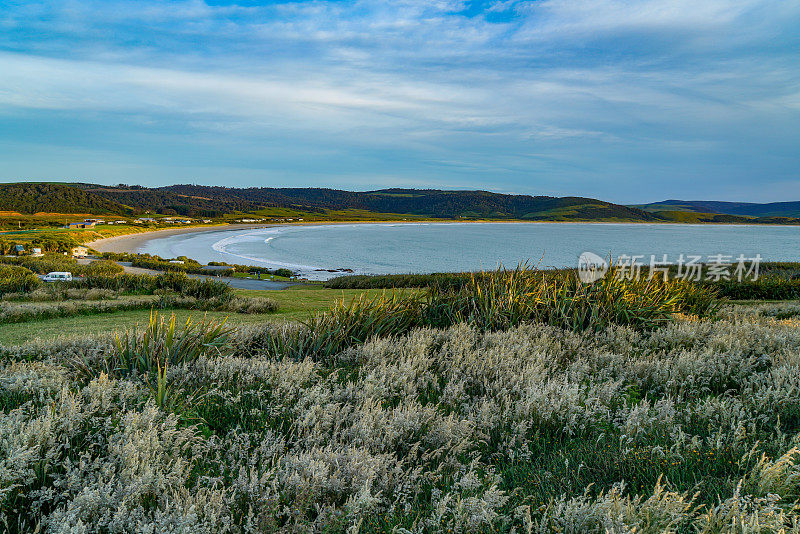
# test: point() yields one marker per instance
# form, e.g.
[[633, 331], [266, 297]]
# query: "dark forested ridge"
[[186, 199], [34, 197], [216, 201]]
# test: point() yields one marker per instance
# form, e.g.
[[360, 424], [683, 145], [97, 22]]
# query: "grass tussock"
[[495, 301]]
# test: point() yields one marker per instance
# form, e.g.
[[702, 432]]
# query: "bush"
[[253, 269], [203, 288], [247, 305], [16, 279], [23, 312], [148, 284], [56, 292], [767, 288], [251, 305], [392, 281], [45, 264], [102, 268], [506, 298], [151, 354]]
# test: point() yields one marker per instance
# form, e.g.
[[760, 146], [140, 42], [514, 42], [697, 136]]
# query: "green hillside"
[[33, 197], [431, 203], [323, 204], [742, 209]]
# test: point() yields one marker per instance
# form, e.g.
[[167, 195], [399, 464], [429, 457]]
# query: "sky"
[[627, 101]]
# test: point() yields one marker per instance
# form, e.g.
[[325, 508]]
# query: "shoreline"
[[129, 242]]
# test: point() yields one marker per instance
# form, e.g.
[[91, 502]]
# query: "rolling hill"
[[744, 209], [36, 197], [434, 203], [324, 204]]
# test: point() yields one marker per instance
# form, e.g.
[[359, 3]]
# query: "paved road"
[[238, 283]]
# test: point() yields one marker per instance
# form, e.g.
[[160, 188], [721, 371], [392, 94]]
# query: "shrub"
[[16, 279], [102, 268], [223, 303], [251, 305], [143, 283], [204, 288], [343, 326], [22, 312], [396, 281], [766, 288], [151, 354], [45, 264]]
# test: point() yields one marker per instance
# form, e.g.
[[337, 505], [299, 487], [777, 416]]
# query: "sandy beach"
[[131, 242]]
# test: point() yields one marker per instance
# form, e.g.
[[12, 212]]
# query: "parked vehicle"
[[58, 276]]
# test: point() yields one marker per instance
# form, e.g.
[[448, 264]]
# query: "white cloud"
[[582, 84]]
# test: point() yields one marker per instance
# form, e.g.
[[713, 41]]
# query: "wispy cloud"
[[613, 98]]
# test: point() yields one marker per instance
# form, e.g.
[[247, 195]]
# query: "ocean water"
[[384, 248]]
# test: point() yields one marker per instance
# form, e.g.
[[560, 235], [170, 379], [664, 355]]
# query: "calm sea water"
[[436, 247]]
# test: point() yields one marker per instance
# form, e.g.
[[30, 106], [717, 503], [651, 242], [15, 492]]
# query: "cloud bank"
[[627, 101]]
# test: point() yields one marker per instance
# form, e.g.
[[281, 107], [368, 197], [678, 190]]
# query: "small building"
[[19, 249], [80, 252], [176, 262], [95, 221], [145, 220], [36, 251]]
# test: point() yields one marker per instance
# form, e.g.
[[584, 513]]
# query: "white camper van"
[[58, 276]]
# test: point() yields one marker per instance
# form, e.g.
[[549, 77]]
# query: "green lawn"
[[298, 302], [295, 304]]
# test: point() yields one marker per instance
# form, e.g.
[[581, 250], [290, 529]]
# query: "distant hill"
[[33, 197], [744, 209], [325, 204], [210, 201]]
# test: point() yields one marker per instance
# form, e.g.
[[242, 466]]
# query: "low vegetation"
[[17, 279], [104, 288], [690, 426], [59, 262], [18, 312], [511, 403], [776, 281], [189, 265]]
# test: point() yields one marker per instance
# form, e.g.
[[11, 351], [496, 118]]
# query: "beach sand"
[[132, 242]]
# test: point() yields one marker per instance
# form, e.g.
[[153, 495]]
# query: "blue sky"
[[621, 100]]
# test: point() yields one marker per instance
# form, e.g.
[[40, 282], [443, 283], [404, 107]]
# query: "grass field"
[[294, 305]]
